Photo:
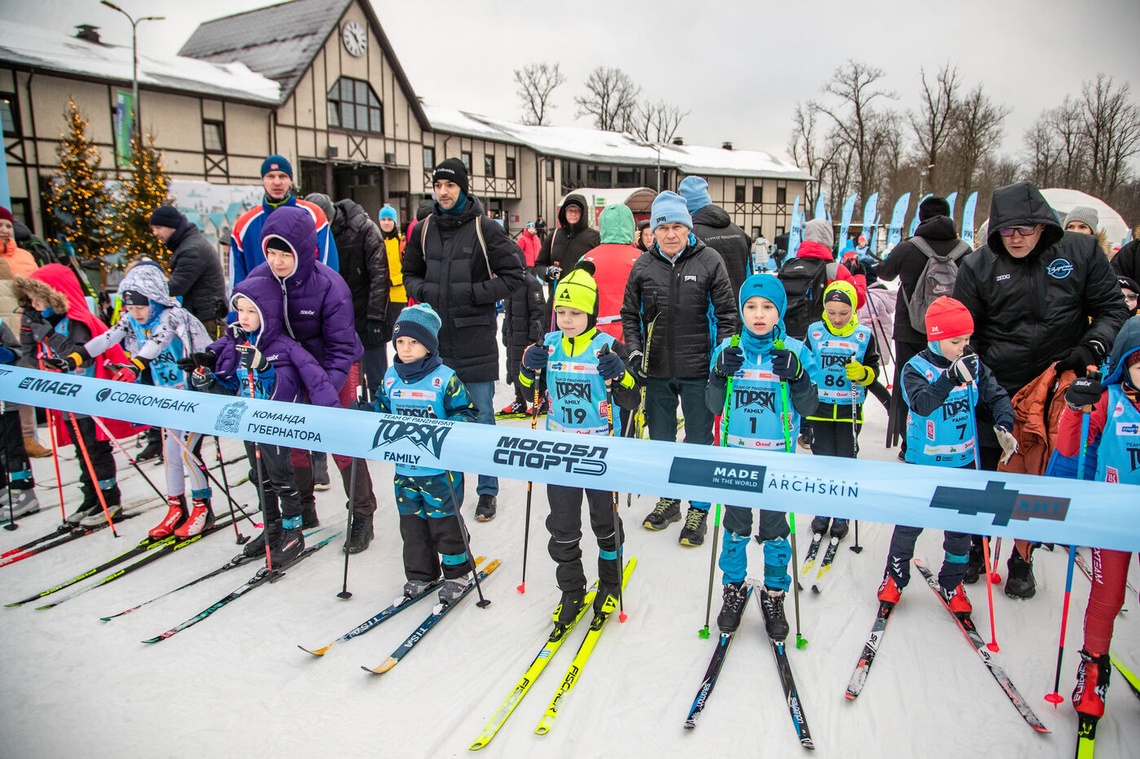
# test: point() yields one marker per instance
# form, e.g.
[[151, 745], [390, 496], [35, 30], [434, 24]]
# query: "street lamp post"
[[134, 57]]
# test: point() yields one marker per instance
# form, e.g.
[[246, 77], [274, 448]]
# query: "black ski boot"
[[735, 596], [571, 604], [292, 543], [1020, 583], [774, 620]]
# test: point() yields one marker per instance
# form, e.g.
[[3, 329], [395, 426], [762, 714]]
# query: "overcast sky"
[[738, 66]]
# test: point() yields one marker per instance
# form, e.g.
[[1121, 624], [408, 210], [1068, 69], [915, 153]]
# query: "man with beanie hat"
[[670, 334], [428, 499], [245, 240], [462, 263], [713, 227], [573, 239], [1038, 296], [195, 267], [906, 262]]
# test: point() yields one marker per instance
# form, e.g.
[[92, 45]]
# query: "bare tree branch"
[[536, 82]]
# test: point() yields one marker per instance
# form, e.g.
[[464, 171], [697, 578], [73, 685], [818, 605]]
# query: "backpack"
[[804, 281], [937, 279]]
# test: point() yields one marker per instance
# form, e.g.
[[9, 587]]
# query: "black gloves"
[[786, 365], [205, 359], [964, 369], [1085, 391], [729, 361], [1080, 358], [534, 361]]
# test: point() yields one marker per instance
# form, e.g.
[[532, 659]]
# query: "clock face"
[[355, 38]]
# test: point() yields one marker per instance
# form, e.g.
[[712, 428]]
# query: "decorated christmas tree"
[[78, 200], [144, 191]]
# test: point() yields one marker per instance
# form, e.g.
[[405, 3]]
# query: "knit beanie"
[[166, 216], [420, 323], [695, 191], [388, 212], [579, 290], [931, 207], [819, 230], [670, 208], [7, 215], [451, 170], [276, 162], [1084, 214], [947, 318]]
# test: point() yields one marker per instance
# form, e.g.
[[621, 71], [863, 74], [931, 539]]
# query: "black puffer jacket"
[[1029, 312], [566, 246], [450, 274], [678, 296], [363, 265], [196, 273], [906, 262], [713, 227]]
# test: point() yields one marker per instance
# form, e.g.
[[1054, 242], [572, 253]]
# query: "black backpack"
[[804, 281]]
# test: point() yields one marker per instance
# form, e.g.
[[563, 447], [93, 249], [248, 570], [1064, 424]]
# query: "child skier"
[[582, 366], [256, 359], [848, 359], [1117, 443], [158, 332], [765, 365], [428, 499], [55, 323], [941, 387], [17, 494]]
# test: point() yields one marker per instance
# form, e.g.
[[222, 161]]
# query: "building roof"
[[48, 50], [595, 145]]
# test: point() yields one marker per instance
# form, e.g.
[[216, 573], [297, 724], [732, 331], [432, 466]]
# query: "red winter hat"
[[946, 318]]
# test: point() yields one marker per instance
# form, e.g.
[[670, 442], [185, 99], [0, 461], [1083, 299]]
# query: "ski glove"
[[534, 361], [856, 372], [637, 367], [1008, 442], [786, 365], [1085, 391], [964, 369], [251, 358], [202, 378], [610, 366], [207, 359], [729, 361], [1080, 358]]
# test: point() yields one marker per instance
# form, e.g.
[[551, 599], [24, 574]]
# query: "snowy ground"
[[236, 685]]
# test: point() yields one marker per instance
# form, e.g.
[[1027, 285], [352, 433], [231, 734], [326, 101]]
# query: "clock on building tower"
[[355, 38]]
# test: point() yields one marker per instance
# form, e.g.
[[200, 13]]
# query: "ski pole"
[[241, 539], [529, 488], [1055, 697], [91, 472], [786, 423], [7, 468], [724, 414], [119, 447], [622, 616], [970, 390], [483, 602], [361, 392]]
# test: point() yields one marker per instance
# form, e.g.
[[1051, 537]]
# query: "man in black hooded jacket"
[[1038, 294]]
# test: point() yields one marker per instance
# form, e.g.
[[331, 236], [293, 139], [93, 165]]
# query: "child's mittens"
[[786, 365], [534, 361], [964, 369], [610, 366], [1008, 442], [1085, 391], [729, 361]]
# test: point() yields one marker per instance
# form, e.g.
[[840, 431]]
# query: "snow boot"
[[175, 516], [695, 527], [975, 568], [415, 588], [819, 525], [666, 512], [1020, 583], [361, 535], [201, 519], [291, 545], [568, 608], [486, 508], [24, 502], [454, 589], [1092, 684], [774, 620], [957, 600], [889, 592], [839, 528], [731, 610], [256, 547]]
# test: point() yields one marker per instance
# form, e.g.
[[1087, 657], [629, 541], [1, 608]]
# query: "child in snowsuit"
[[17, 494], [582, 366], [158, 332], [256, 359], [848, 359], [418, 384], [942, 386], [1117, 444], [775, 374], [56, 322]]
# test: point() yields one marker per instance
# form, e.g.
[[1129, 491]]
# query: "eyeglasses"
[[1021, 231]]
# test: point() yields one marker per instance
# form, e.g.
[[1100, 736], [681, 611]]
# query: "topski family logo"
[[229, 418], [1003, 504], [422, 432]]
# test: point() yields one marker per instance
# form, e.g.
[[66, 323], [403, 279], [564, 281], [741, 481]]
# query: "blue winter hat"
[[276, 162], [695, 191], [670, 208], [420, 323], [766, 286], [387, 212]]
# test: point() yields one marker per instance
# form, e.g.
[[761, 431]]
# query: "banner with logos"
[[991, 503]]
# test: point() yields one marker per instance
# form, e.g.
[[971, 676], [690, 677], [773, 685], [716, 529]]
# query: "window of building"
[[429, 158], [740, 190], [757, 193], [510, 168], [354, 105], [8, 114], [489, 165], [465, 157], [549, 170], [781, 195], [214, 136]]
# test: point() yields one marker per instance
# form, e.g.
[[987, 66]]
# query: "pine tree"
[[78, 199], [144, 191]]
